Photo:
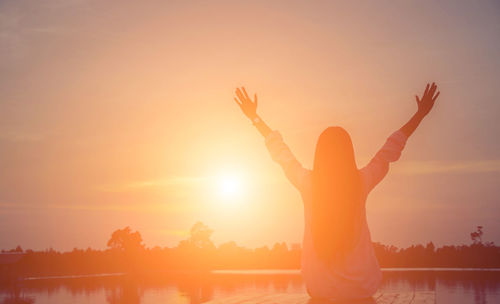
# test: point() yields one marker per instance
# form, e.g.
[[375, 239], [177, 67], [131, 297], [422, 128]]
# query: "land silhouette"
[[126, 253]]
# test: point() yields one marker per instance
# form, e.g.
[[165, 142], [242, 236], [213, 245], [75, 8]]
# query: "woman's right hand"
[[426, 103], [246, 104]]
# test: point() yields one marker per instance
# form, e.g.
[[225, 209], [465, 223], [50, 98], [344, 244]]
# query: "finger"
[[426, 89], [432, 90], [418, 100], [244, 91], [435, 97], [255, 99], [240, 95], [239, 103]]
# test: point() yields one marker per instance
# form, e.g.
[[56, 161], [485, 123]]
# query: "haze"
[[120, 113]]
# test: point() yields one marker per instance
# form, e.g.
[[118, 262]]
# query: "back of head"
[[336, 196]]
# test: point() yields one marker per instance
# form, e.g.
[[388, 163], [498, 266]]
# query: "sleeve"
[[378, 167], [281, 154]]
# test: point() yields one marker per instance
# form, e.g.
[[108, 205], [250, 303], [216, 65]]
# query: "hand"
[[246, 104], [426, 103]]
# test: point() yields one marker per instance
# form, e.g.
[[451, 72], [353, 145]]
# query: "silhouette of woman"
[[338, 260]]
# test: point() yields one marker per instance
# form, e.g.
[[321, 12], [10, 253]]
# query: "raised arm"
[[279, 151], [249, 108], [424, 105], [378, 167]]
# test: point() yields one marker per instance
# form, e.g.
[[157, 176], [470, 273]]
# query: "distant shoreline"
[[262, 272]]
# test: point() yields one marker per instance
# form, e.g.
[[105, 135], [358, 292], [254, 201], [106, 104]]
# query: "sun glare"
[[229, 186]]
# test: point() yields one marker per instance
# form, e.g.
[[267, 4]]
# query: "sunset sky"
[[121, 113]]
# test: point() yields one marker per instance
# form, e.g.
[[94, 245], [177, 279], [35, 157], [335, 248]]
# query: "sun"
[[229, 186]]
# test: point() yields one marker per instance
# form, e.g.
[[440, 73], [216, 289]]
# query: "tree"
[[200, 236], [477, 235], [126, 240], [430, 249]]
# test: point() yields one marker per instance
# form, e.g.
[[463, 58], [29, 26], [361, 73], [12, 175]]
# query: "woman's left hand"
[[246, 104]]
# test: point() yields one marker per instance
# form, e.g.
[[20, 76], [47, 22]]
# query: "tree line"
[[127, 253]]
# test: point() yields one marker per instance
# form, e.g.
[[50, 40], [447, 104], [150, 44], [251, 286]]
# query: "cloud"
[[404, 168], [149, 207], [21, 20], [170, 181], [154, 183], [18, 136], [174, 232], [437, 167]]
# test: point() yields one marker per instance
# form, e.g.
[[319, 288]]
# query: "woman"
[[338, 260]]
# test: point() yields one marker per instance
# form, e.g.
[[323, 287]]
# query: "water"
[[450, 286]]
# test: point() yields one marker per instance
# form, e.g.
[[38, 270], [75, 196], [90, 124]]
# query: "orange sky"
[[118, 114]]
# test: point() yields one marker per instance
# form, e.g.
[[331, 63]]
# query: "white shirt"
[[360, 275]]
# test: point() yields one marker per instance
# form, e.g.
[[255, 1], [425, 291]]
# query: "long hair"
[[336, 201]]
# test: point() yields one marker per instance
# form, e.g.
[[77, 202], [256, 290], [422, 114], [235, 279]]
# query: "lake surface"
[[450, 286]]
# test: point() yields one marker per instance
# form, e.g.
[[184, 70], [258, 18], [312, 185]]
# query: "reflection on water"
[[449, 286]]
